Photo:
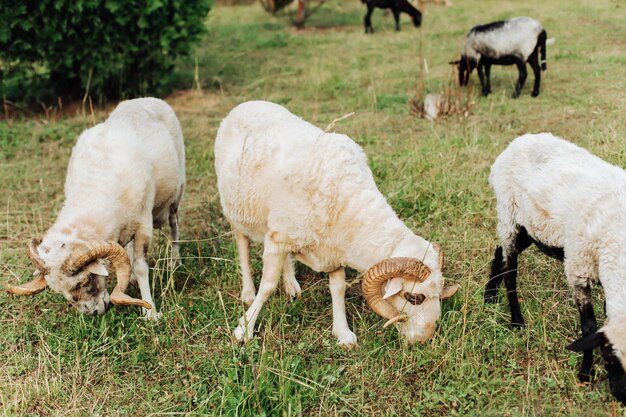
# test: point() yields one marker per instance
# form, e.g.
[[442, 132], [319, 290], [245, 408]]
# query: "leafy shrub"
[[108, 48]]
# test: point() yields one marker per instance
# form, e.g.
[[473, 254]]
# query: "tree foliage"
[[106, 48]]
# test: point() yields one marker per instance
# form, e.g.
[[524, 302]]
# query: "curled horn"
[[33, 255], [39, 283], [374, 279], [30, 288], [112, 251]]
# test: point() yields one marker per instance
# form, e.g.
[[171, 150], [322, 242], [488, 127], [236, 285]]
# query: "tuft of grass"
[[58, 362]]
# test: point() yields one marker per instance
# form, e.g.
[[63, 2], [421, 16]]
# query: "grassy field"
[[54, 361]]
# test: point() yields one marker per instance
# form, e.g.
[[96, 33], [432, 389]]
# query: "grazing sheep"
[[396, 6], [572, 206], [310, 194], [507, 42], [125, 176]]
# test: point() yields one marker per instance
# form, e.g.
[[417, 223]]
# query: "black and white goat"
[[572, 206], [396, 6], [513, 41]]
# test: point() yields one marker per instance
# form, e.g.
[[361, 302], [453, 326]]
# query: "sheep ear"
[[97, 268], [457, 62], [394, 286], [449, 291], [588, 342]]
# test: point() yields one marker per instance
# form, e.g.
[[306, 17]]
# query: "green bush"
[[108, 48]]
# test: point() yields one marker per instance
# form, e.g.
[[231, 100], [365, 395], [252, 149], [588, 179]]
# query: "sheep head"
[[81, 277], [610, 339], [401, 290], [417, 19], [465, 66]]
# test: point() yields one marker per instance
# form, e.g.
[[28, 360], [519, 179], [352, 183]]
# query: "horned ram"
[[309, 194], [125, 177]]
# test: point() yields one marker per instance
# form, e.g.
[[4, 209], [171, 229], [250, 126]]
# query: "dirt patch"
[[192, 101]]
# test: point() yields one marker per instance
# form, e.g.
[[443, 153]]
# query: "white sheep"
[[513, 41], [310, 194], [572, 206], [125, 176]]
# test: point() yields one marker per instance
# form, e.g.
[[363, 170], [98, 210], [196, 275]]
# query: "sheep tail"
[[542, 46]]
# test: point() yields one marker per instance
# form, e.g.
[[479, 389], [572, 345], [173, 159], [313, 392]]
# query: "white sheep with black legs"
[[309, 194], [572, 206], [513, 41], [125, 176]]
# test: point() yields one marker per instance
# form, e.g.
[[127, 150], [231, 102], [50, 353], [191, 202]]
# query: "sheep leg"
[[487, 78], [541, 44], [141, 270], [521, 67], [173, 220], [130, 251], [481, 77], [534, 64], [582, 296], [290, 284], [247, 285], [367, 21], [273, 260], [510, 254], [495, 277], [341, 330], [396, 16]]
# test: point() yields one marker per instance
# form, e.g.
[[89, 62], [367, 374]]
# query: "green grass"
[[54, 361]]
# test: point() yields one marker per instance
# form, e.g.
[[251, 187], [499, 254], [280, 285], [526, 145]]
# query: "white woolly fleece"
[[313, 190], [567, 197], [518, 37]]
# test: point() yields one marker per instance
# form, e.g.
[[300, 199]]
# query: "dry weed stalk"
[[454, 101]]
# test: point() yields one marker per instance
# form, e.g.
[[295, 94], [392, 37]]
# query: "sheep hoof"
[[517, 324], [585, 378], [292, 288], [152, 314], [241, 334], [534, 94], [173, 263], [491, 297], [346, 340], [247, 297]]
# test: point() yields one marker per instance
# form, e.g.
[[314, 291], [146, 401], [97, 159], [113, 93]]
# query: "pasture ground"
[[54, 361]]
